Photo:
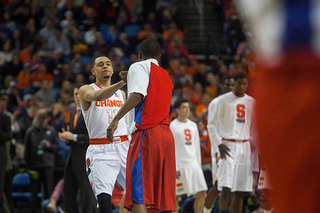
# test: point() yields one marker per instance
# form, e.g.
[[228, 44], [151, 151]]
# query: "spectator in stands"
[[27, 111], [48, 30], [78, 45], [88, 20], [124, 44], [62, 109], [202, 108], [91, 36], [169, 34], [79, 78], [200, 76], [205, 152], [5, 53], [112, 35], [26, 53], [177, 47], [212, 85], [14, 96], [41, 143], [196, 95], [13, 67], [24, 78], [16, 40], [146, 32], [45, 97], [42, 74], [101, 46], [59, 43], [76, 64], [66, 23], [237, 67], [46, 55]]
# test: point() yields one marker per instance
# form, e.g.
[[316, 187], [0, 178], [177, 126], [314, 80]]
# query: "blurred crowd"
[[46, 47]]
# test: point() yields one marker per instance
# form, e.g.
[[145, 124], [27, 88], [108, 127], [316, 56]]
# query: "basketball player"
[[226, 85], [190, 177], [106, 161], [286, 37], [231, 116], [151, 158]]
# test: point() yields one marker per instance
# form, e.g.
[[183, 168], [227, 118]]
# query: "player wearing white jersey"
[[231, 125], [190, 177], [106, 162], [226, 85]]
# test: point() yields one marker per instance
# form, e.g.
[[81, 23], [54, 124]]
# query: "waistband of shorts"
[[98, 141], [234, 140]]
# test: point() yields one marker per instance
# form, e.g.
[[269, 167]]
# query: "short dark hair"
[[150, 48], [240, 75], [226, 77], [180, 101]]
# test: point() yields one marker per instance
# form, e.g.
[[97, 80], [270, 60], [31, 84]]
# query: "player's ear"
[[92, 71]]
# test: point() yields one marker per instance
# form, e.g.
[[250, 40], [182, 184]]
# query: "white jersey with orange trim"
[[231, 118], [188, 157], [100, 114]]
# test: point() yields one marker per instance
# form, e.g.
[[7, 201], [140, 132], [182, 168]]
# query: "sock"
[[104, 201], [205, 210]]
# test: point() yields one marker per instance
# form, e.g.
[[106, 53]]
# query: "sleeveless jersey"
[[100, 114]]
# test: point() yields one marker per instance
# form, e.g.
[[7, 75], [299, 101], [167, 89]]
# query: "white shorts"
[[106, 163], [263, 182], [191, 181], [235, 172]]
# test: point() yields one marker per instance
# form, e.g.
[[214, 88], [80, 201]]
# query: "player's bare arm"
[[88, 94], [133, 100]]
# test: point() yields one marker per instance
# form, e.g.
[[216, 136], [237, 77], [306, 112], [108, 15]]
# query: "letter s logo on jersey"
[[241, 113], [187, 137]]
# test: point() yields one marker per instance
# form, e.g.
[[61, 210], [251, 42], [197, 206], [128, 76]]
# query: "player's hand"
[[110, 131], [45, 143], [178, 174], [52, 206], [123, 75], [65, 135], [224, 151]]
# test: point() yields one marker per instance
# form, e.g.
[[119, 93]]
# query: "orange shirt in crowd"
[[23, 81], [212, 91], [38, 77], [196, 99], [205, 148], [201, 108], [24, 56], [168, 35]]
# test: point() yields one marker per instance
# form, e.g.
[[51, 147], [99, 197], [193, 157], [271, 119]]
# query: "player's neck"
[[104, 83], [238, 94], [183, 120]]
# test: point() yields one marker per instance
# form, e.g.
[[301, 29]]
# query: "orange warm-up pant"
[[288, 114]]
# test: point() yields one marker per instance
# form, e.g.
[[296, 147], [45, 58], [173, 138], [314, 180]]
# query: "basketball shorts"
[[106, 163], [191, 181], [150, 177], [235, 172]]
